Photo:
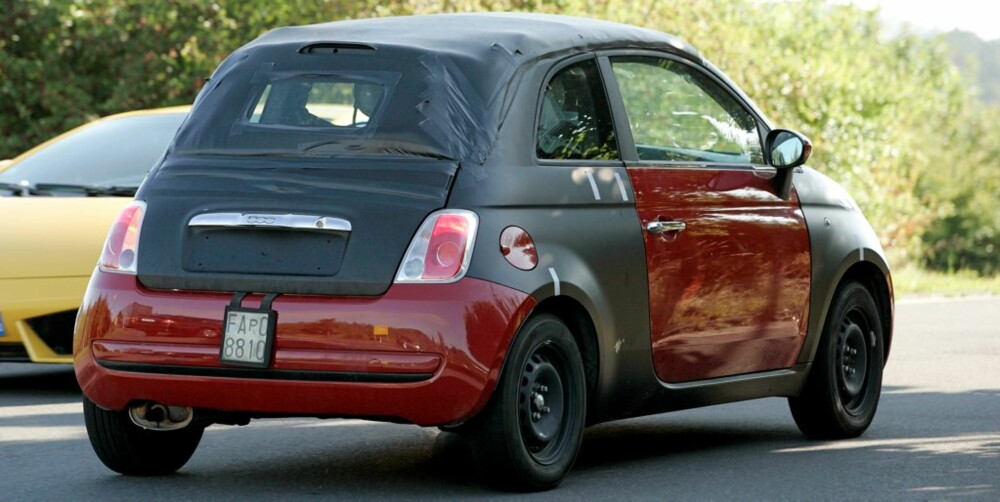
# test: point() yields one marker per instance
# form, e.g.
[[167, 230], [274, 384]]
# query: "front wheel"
[[842, 391], [529, 434], [129, 449]]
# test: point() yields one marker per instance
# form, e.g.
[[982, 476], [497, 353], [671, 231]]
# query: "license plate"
[[247, 337]]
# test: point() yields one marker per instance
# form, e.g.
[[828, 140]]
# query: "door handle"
[[665, 227]]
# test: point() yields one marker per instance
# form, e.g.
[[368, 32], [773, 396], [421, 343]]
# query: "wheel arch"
[[844, 247], [617, 363], [879, 284], [873, 273], [580, 323]]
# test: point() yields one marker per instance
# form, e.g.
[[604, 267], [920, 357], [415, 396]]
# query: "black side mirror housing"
[[786, 150]]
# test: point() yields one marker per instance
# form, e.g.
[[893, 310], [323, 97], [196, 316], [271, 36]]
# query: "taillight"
[[442, 248], [122, 244]]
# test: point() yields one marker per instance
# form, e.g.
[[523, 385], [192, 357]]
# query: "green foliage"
[[911, 280], [65, 62], [966, 235], [891, 118]]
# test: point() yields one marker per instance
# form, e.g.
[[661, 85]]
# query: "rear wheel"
[[842, 391], [129, 449], [529, 434]]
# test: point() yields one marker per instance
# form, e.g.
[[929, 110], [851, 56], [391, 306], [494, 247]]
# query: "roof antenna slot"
[[337, 48]]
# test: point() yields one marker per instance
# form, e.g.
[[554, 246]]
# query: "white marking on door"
[[593, 185], [621, 187]]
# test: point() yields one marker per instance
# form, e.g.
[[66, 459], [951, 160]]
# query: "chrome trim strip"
[[292, 221]]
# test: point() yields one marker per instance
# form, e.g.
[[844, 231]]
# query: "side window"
[[678, 114], [575, 120]]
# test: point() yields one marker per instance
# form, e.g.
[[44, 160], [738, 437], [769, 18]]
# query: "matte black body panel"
[[840, 238], [385, 200], [590, 251], [674, 397]]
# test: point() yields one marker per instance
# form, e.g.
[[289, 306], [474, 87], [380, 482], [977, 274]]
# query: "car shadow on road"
[[722, 449], [661, 439], [24, 383], [935, 445]]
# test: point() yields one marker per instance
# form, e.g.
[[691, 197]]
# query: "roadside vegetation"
[[891, 117], [912, 280]]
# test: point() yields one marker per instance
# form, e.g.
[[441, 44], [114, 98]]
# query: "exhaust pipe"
[[159, 417]]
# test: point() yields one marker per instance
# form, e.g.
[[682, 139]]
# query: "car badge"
[[259, 219]]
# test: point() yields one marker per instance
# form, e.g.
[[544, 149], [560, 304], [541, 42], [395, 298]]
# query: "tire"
[[129, 449], [842, 390], [528, 435]]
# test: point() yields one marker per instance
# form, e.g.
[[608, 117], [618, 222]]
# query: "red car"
[[509, 226]]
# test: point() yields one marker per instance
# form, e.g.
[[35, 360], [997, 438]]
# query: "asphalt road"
[[936, 436]]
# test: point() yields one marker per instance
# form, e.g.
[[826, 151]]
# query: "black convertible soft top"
[[443, 81], [471, 35]]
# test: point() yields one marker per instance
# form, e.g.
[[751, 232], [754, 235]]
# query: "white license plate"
[[247, 337]]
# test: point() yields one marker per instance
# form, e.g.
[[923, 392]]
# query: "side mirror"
[[787, 149]]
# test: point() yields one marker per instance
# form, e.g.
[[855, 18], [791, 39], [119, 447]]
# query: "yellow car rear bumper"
[[22, 300]]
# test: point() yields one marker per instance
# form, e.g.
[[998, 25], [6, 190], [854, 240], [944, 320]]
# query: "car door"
[[728, 259]]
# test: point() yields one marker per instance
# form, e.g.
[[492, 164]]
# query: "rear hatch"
[[339, 227], [307, 167]]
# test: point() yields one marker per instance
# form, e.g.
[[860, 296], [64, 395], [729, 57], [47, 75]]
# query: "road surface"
[[936, 435]]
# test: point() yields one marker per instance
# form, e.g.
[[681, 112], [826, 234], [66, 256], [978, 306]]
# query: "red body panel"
[[458, 333], [730, 293]]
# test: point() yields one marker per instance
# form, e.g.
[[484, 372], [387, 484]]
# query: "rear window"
[[276, 100], [318, 102]]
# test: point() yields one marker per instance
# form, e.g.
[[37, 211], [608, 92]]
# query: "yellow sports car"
[[58, 201]]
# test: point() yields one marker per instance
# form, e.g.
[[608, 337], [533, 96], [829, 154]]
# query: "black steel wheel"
[[529, 434], [129, 449], [842, 391]]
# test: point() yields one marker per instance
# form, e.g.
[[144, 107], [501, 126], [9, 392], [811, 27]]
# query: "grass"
[[912, 280]]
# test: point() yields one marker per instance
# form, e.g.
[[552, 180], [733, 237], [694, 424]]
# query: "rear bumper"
[[426, 354]]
